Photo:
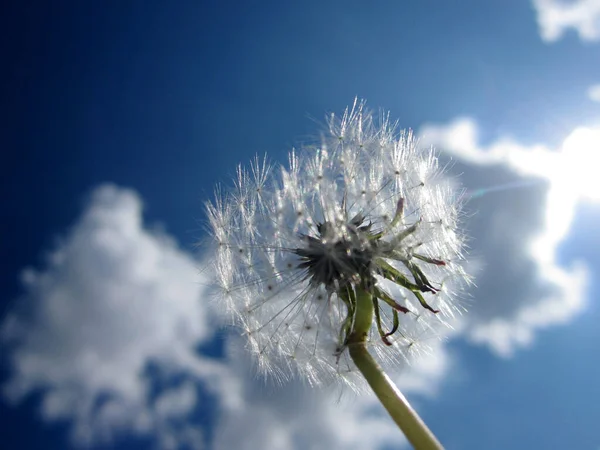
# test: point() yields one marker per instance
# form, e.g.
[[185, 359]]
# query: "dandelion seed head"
[[367, 208]]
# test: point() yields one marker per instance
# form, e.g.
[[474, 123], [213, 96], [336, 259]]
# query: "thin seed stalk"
[[415, 430]]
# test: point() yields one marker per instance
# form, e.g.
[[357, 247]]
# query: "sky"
[[119, 118]]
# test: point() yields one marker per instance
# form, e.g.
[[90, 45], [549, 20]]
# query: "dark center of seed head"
[[336, 256]]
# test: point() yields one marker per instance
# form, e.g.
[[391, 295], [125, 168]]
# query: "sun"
[[580, 162]]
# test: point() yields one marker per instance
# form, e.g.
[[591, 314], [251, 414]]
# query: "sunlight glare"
[[581, 153]]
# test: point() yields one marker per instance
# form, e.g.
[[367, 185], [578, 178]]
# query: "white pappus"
[[365, 208]]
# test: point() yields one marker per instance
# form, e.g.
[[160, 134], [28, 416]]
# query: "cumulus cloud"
[[113, 298], [594, 93], [555, 17], [108, 329], [520, 222], [297, 416]]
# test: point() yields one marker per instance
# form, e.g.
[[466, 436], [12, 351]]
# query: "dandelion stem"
[[388, 394]]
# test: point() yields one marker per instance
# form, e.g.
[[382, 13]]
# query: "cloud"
[[555, 17], [113, 299], [594, 93], [524, 211], [177, 402], [297, 416], [107, 333], [107, 329]]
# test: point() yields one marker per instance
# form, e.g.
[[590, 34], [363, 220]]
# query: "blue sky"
[[110, 106]]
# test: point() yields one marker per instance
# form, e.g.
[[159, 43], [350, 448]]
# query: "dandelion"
[[352, 247]]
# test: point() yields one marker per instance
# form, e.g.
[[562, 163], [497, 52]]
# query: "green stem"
[[386, 391]]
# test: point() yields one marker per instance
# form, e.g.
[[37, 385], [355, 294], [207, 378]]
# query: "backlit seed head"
[[365, 209]]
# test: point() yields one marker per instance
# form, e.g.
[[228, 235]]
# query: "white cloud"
[[295, 416], [427, 371], [115, 297], [112, 298], [177, 402], [555, 17], [594, 93], [298, 416], [521, 236]]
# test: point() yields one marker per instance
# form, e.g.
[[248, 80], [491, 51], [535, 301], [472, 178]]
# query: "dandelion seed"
[[364, 212]]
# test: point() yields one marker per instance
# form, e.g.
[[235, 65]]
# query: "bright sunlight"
[[580, 157]]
